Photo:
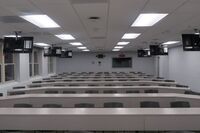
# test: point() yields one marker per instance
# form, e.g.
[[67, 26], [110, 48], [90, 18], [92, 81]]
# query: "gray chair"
[[50, 105], [17, 93], [113, 105], [184, 86], [51, 92], [92, 91], [50, 81], [73, 85], [180, 104], [34, 86], [132, 91], [149, 104], [69, 92], [84, 105], [109, 85], [93, 85], [37, 82], [22, 105], [19, 87], [109, 91], [150, 91], [144, 85]]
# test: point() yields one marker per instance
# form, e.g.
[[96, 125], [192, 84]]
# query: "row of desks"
[[84, 83], [101, 89], [120, 119], [128, 100]]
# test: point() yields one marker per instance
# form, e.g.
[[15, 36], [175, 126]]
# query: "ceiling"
[[116, 17]]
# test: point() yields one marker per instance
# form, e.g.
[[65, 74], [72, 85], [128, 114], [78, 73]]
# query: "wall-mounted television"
[[122, 62], [66, 54], [191, 42], [18, 45], [143, 53], [158, 50]]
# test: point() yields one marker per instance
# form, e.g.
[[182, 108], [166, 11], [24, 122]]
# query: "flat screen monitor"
[[66, 54], [191, 42], [122, 62], [18, 45], [158, 50], [143, 53]]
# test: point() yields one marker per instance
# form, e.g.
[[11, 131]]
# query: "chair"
[[109, 91], [132, 91], [92, 91], [150, 91], [59, 85], [50, 81], [184, 86], [50, 105], [34, 86], [51, 92], [127, 85], [109, 85], [67, 80], [17, 93], [122, 80], [191, 92], [169, 80], [22, 105], [113, 105], [19, 87], [144, 85], [73, 85], [69, 92], [93, 85], [149, 104], [37, 82], [180, 104], [84, 105], [1, 94]]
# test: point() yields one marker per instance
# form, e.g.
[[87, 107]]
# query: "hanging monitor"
[[18, 44], [66, 54], [158, 50], [191, 42], [144, 53]]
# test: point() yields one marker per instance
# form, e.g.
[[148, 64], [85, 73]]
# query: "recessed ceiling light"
[[130, 35], [42, 44], [76, 43], [11, 36], [65, 37], [123, 43], [148, 19], [118, 47], [86, 50], [42, 21], [82, 47], [171, 42], [116, 50]]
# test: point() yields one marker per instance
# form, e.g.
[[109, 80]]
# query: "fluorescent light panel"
[[42, 21], [11, 36], [171, 42], [86, 50], [65, 37], [130, 35], [123, 43], [76, 43], [118, 47], [42, 44], [148, 19], [116, 50], [82, 47]]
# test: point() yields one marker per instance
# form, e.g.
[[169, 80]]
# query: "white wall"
[[89, 63], [182, 66]]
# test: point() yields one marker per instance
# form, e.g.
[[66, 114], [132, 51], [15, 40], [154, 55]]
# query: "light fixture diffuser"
[[42, 44], [118, 47], [171, 42], [76, 43], [82, 47], [148, 19], [11, 36], [65, 37], [130, 35], [122, 43], [86, 50], [116, 50], [42, 21]]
